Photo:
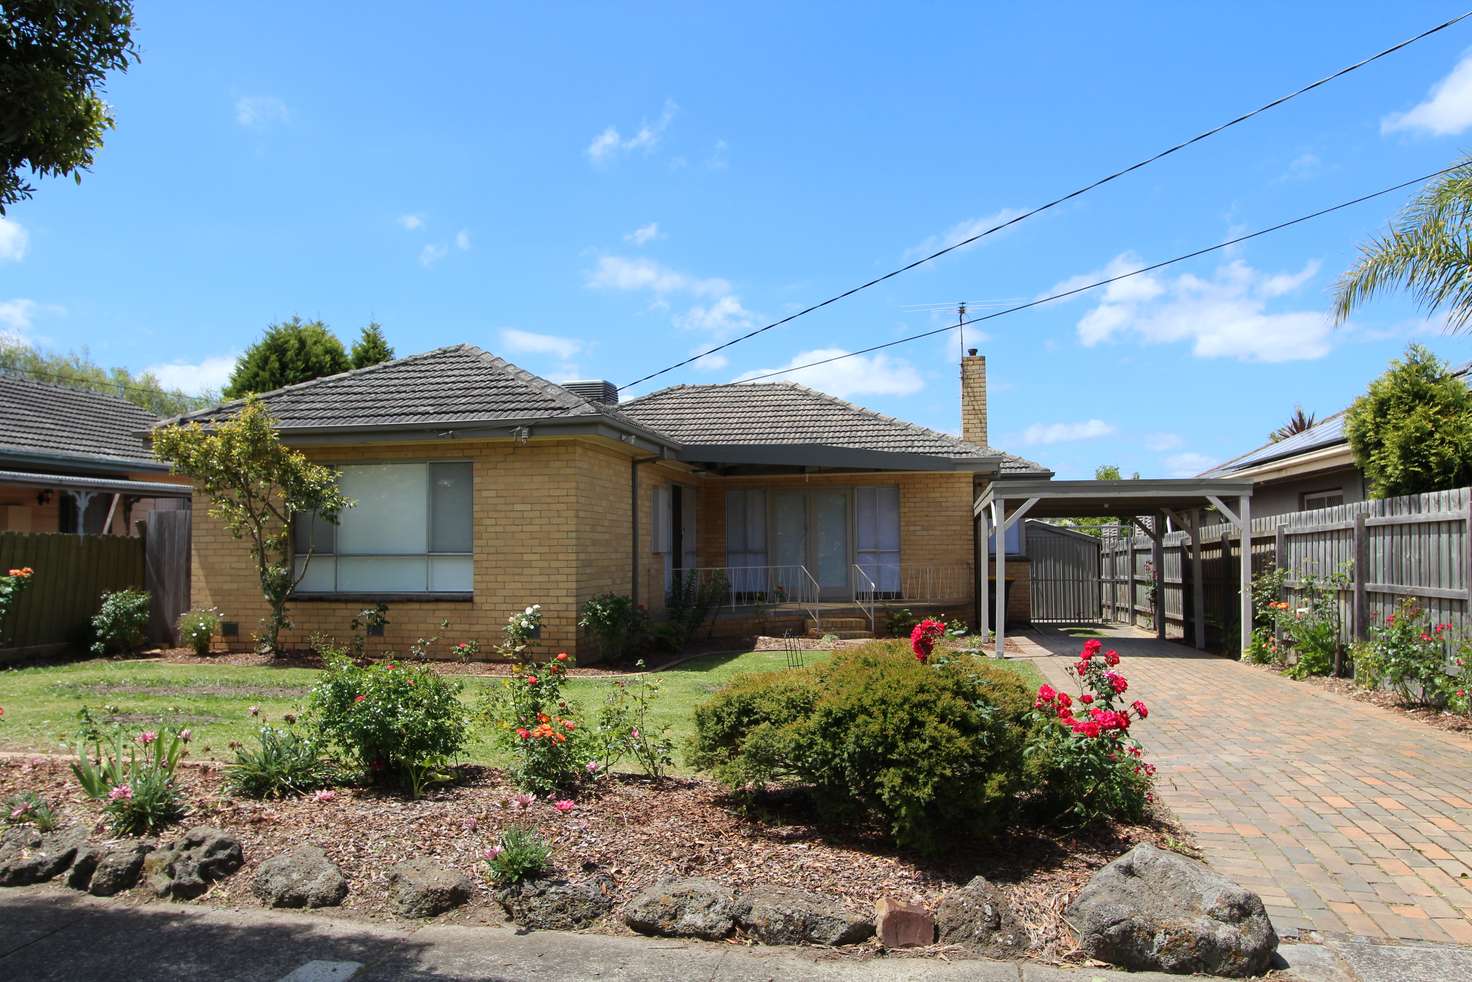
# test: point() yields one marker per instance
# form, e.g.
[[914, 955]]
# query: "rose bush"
[[12, 585], [1408, 654], [1081, 755], [543, 732]]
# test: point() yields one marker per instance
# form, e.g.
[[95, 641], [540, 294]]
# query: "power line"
[[1113, 279], [1056, 201]]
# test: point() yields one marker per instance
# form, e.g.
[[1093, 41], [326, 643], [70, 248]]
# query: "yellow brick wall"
[[550, 526]]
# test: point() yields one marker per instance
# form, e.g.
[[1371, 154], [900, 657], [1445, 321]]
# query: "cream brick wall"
[[550, 527]]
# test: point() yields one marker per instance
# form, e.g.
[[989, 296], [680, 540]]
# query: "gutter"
[[81, 463]]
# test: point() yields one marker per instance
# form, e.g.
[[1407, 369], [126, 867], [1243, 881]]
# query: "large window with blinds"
[[411, 531]]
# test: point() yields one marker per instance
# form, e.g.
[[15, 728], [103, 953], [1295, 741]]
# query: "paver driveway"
[[1346, 818]]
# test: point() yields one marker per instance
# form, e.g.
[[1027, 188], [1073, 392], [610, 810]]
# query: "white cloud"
[[19, 315], [1187, 464], [15, 241], [1446, 110], [260, 111], [610, 143], [623, 273], [1222, 316], [723, 316], [878, 374], [211, 374], [1088, 429], [719, 158], [963, 230], [643, 234], [462, 239], [1159, 442], [432, 253], [411, 222], [1302, 168], [529, 342]]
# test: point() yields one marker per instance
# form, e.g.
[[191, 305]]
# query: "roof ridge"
[[77, 389], [297, 386], [545, 386], [886, 418]]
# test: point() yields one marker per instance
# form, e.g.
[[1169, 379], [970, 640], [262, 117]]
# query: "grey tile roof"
[[775, 413], [458, 384], [58, 420]]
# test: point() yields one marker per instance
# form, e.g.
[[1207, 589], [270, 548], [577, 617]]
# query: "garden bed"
[[628, 828]]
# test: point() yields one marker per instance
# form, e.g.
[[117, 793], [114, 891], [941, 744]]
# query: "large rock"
[[975, 917], [419, 888], [186, 867], [300, 877], [557, 905], [690, 908], [79, 876], [119, 868], [28, 856], [781, 915], [1152, 909]]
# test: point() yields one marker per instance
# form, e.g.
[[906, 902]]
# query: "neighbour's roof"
[[455, 385], [1327, 432], [785, 413], [42, 420]]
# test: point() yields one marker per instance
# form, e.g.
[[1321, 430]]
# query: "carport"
[[1161, 502]]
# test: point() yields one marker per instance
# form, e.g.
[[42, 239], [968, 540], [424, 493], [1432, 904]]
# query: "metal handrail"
[[920, 582], [860, 579], [756, 586]]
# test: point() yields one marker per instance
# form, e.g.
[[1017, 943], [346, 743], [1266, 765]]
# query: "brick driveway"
[[1346, 818]]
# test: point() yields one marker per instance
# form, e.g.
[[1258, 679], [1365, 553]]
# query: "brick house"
[[482, 488], [73, 460]]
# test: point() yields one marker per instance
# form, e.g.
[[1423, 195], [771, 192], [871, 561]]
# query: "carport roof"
[[1107, 499]]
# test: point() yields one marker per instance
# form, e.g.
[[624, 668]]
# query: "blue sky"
[[597, 190]]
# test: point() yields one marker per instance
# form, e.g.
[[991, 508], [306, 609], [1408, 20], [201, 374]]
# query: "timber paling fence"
[[1413, 546], [72, 572]]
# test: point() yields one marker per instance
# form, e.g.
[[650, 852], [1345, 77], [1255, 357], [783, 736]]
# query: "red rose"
[[1139, 707]]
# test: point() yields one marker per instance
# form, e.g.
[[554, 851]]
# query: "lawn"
[[215, 701]]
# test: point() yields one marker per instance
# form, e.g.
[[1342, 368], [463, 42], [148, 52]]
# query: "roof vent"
[[594, 390]]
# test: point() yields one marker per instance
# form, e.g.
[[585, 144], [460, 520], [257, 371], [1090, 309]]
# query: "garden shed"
[[1154, 506]]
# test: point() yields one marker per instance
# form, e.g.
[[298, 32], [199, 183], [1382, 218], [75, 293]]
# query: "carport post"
[[982, 531], [999, 520], [1198, 589], [1244, 514]]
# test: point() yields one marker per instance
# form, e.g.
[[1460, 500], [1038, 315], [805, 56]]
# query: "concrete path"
[[1347, 819], [54, 935]]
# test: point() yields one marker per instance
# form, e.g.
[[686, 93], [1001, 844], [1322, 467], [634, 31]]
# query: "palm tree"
[[1297, 423], [1428, 252]]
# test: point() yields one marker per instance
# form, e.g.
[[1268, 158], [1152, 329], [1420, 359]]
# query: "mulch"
[[635, 831], [1430, 716]]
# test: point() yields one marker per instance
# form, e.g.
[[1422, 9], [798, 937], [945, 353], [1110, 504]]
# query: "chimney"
[[973, 398], [594, 390]]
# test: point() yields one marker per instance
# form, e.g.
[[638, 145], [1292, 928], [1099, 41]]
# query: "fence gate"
[[1065, 574], [166, 571]]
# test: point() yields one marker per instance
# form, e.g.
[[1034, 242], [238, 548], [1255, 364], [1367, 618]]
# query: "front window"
[[410, 532], [1323, 499]]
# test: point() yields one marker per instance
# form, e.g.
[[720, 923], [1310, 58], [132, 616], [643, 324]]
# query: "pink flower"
[[357, 698], [492, 853], [634, 733], [23, 810], [593, 766], [185, 736], [146, 737], [120, 793], [522, 802], [325, 796], [564, 806]]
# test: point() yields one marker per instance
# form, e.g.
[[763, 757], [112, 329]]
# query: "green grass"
[[214, 701]]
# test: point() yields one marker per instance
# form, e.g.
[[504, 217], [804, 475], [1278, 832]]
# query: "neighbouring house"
[[481, 488], [73, 460], [1311, 469]]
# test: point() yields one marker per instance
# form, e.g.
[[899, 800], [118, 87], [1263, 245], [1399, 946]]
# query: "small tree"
[[1412, 431], [1299, 422], [256, 486], [371, 348], [290, 352]]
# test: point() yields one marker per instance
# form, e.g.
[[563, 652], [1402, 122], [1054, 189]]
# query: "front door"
[[811, 529]]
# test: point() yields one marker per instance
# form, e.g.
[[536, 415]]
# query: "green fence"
[[72, 573]]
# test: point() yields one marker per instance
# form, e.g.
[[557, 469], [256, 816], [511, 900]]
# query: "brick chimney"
[[973, 398]]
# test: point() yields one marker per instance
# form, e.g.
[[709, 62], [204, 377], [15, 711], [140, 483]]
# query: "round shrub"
[[933, 751], [121, 623], [402, 724], [197, 628]]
